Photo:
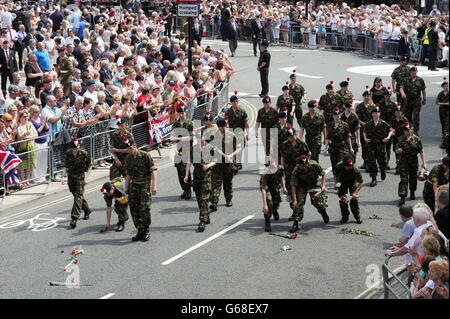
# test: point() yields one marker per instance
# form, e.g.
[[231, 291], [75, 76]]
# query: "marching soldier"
[[363, 110], [140, 185], [344, 93], [305, 177], [227, 146], [269, 184], [203, 163], [297, 91], [65, 70], [120, 148], [438, 176], [182, 137], [400, 74], [286, 101], [313, 123], [408, 146], [387, 110], [328, 102], [115, 189], [210, 129], [267, 117], [376, 134], [238, 122], [397, 126], [352, 120], [338, 141], [442, 101], [77, 166], [350, 181], [281, 126], [410, 89], [290, 151]]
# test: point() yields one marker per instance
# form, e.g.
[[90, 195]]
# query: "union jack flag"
[[8, 163]]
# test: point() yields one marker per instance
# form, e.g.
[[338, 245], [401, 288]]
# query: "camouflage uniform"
[[202, 180], [408, 163], [180, 160], [223, 171], [413, 103], [76, 167], [65, 70], [313, 128], [398, 127], [140, 170], [268, 120], [297, 92], [282, 137], [350, 180], [444, 143], [236, 121], [387, 113], [290, 153], [304, 180], [353, 126], [210, 132], [338, 145], [287, 102], [437, 174], [345, 97], [117, 142], [399, 75], [443, 111], [119, 191], [271, 184], [377, 148], [328, 103], [364, 115]]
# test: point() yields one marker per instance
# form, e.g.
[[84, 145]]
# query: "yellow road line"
[[253, 110], [397, 270], [7, 218]]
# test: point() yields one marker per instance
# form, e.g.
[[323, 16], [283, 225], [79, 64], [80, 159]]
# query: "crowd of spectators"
[[121, 67]]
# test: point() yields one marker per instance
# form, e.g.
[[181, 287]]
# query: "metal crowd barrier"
[[387, 281]]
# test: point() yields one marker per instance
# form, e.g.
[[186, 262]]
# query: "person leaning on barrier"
[[115, 189], [140, 185], [120, 142], [77, 166]]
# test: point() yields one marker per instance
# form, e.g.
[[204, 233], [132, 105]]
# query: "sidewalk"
[[40, 191]]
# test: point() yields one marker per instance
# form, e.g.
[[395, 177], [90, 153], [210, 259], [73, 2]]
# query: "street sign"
[[188, 10], [188, 1]]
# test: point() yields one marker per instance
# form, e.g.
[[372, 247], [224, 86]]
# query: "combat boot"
[[183, 195], [325, 217], [188, 194], [291, 218], [374, 182], [120, 226], [139, 235], [213, 207], [413, 196], [294, 227], [201, 227], [87, 212], [402, 201], [383, 174], [275, 215], [145, 234], [229, 203], [358, 219], [73, 223], [344, 219], [267, 224]]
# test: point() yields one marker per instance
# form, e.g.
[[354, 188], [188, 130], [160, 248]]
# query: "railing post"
[[50, 158]]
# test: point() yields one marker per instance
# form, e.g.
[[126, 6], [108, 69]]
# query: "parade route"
[[233, 257]]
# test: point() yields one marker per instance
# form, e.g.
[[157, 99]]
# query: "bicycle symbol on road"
[[34, 225]]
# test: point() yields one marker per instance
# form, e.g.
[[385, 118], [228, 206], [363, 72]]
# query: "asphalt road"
[[241, 261]]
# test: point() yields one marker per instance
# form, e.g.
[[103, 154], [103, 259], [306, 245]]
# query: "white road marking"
[[108, 296], [187, 251], [328, 170], [290, 71]]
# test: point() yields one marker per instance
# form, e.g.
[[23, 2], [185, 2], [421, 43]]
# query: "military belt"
[[327, 113], [429, 181], [140, 182]]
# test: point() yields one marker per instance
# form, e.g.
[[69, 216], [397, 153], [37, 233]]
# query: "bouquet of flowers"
[[393, 132], [422, 174], [355, 231], [344, 199], [284, 248], [321, 199], [123, 200], [375, 217], [284, 235]]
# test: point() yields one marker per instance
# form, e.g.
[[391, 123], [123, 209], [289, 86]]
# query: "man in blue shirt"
[[80, 29], [42, 57]]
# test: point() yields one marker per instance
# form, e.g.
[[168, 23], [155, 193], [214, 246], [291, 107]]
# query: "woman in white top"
[[49, 44], [313, 33], [189, 92], [276, 24]]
